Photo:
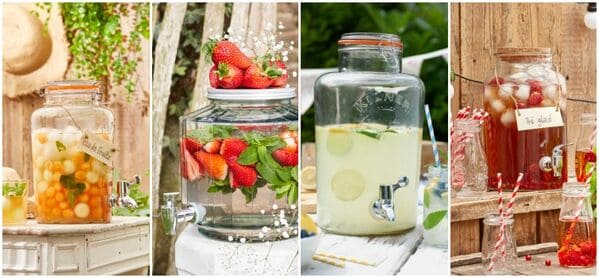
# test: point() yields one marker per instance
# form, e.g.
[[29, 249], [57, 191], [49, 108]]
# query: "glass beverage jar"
[[498, 261], [469, 179], [368, 139], [585, 157], [525, 78], [577, 245], [238, 162], [70, 185]]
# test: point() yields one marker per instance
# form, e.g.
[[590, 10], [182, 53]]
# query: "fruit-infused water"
[[353, 161], [14, 202], [436, 220], [585, 159], [577, 242], [70, 185]]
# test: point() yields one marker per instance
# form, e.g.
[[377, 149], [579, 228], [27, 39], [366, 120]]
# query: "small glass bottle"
[[498, 260], [469, 163], [585, 154], [577, 239], [435, 221]]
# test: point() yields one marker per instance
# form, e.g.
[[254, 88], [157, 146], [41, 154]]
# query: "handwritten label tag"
[[97, 147], [535, 118]]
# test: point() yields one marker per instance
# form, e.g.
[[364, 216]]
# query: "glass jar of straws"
[[585, 157], [469, 164], [498, 245], [577, 239]]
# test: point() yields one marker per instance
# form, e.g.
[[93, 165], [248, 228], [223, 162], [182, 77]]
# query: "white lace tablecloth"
[[196, 254]]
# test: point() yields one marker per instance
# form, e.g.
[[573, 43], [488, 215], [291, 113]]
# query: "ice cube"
[[51, 151], [508, 118], [520, 77], [523, 92], [497, 106], [490, 92], [69, 136], [536, 72], [506, 90], [54, 136], [550, 91]]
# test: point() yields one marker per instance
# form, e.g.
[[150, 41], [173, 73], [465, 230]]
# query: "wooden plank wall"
[[478, 29]]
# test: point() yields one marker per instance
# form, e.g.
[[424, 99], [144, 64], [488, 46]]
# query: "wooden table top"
[[33, 228]]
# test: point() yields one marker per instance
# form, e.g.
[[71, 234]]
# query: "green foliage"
[[14, 189], [422, 27], [99, 47]]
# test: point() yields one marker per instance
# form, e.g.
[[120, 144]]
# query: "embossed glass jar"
[[70, 185], [238, 162], [368, 138]]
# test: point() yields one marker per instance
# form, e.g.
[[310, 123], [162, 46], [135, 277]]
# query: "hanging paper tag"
[[97, 147], [535, 118]]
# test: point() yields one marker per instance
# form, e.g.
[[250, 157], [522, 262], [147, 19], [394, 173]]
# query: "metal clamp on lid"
[[383, 208]]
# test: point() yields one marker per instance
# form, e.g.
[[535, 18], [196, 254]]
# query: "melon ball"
[[92, 177], [69, 167], [99, 167], [47, 175], [42, 186], [81, 210]]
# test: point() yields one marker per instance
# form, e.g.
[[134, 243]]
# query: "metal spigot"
[[122, 198], [171, 215], [557, 160], [383, 208]]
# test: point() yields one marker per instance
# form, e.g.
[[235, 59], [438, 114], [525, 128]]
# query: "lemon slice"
[[348, 185], [308, 224], [308, 178], [339, 141]]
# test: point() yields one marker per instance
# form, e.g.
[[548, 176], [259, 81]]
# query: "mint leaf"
[[269, 174], [292, 195], [249, 193], [249, 156], [283, 189], [60, 146], [370, 133], [427, 198], [71, 198], [14, 189], [214, 189], [433, 219], [265, 157], [293, 172], [284, 174], [209, 133]]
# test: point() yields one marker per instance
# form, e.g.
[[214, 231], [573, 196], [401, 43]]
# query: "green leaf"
[[249, 156], [427, 198], [433, 219], [13, 189], [249, 193], [86, 157], [71, 198], [283, 189], [60, 146], [214, 189], [293, 171], [269, 174], [293, 195], [284, 174], [265, 157], [370, 133]]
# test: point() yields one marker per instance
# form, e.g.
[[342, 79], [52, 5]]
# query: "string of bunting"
[[481, 83]]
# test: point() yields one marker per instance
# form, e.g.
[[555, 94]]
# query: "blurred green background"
[[422, 27]]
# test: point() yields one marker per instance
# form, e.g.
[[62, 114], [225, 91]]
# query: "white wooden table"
[[197, 254], [119, 247], [395, 255]]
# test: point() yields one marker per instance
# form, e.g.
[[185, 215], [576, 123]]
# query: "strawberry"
[[213, 77], [590, 157], [535, 98], [190, 168], [258, 76], [281, 80], [192, 145], [496, 81], [240, 175], [212, 147], [290, 138], [231, 148], [226, 52], [285, 158], [229, 76], [535, 86], [214, 164]]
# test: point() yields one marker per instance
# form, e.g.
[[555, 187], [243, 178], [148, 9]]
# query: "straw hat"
[[33, 54]]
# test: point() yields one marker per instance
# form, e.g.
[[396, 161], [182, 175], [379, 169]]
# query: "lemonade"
[[14, 202], [70, 185], [353, 160]]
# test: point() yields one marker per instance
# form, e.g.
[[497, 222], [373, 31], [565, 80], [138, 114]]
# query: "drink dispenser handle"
[[122, 198], [557, 159], [171, 214], [383, 208]]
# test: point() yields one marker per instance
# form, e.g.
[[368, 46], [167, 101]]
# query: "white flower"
[[262, 211], [275, 206], [265, 229], [294, 75], [242, 240], [260, 235], [277, 223], [293, 206], [230, 238], [285, 235]]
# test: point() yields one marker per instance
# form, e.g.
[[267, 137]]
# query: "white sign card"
[[536, 118], [97, 147]]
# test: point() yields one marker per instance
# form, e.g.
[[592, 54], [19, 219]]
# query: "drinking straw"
[[344, 258], [593, 135], [513, 197], [431, 132], [501, 225], [328, 261]]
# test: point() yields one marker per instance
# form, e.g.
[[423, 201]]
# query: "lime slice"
[[348, 185], [339, 141], [308, 177], [308, 224]]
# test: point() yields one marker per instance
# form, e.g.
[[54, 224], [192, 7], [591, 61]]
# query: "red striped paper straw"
[[510, 205], [500, 236]]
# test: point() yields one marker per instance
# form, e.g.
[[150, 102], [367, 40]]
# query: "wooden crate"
[[536, 216]]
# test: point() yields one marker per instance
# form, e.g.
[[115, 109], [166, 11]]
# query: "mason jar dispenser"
[[238, 165], [368, 139], [71, 185], [525, 96]]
